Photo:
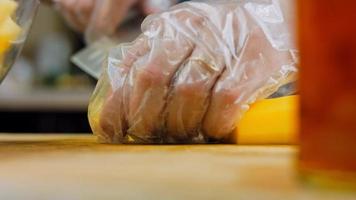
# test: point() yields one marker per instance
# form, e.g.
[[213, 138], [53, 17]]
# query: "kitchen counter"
[[77, 167]]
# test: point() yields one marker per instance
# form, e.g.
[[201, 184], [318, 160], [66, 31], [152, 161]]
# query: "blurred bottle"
[[328, 91], [52, 57]]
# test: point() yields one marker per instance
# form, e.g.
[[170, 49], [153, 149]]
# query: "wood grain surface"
[[77, 167]]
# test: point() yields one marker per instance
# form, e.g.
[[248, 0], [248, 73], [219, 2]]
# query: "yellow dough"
[[269, 121]]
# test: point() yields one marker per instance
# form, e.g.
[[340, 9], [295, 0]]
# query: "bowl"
[[23, 17]]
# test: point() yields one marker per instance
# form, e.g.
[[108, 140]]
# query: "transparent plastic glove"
[[98, 18], [95, 18], [194, 71]]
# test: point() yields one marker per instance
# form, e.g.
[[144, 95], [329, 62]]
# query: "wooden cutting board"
[[77, 167]]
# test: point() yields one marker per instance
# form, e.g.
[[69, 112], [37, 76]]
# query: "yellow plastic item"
[[269, 121]]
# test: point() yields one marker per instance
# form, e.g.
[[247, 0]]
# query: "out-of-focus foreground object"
[[269, 121], [15, 21], [328, 92]]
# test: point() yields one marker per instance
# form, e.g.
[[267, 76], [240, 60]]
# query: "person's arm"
[[98, 18]]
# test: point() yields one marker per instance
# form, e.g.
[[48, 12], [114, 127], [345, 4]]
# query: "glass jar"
[[327, 41]]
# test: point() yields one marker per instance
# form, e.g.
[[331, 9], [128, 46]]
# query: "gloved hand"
[[193, 72], [97, 18]]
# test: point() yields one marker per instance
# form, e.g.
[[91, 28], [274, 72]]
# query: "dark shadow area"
[[44, 122]]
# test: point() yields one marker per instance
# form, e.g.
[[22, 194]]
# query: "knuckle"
[[226, 96]]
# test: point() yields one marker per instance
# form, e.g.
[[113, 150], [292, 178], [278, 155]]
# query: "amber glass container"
[[327, 41]]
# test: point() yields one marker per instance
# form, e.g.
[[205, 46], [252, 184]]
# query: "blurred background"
[[44, 91]]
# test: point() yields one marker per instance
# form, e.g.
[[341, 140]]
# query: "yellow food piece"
[[269, 121], [9, 31], [7, 8]]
